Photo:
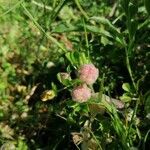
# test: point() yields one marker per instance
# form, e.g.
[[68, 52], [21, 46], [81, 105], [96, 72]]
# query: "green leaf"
[[65, 82], [83, 59], [1, 114], [3, 85], [147, 102], [133, 28], [70, 57], [147, 5], [61, 28], [98, 30], [105, 41], [126, 87], [133, 9], [77, 109], [124, 4], [21, 145], [115, 33], [67, 13], [84, 108], [125, 98], [105, 22], [54, 87], [77, 58]]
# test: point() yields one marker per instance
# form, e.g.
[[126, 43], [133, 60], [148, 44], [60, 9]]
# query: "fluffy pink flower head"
[[81, 93], [88, 73]]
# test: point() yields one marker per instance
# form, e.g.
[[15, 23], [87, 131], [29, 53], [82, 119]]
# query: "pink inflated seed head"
[[88, 73], [81, 93]]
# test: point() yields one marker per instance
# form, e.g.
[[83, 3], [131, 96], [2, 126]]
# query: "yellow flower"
[[47, 95]]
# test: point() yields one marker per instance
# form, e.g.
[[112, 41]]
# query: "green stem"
[[96, 140], [81, 9], [132, 118], [86, 40], [42, 30], [129, 68], [56, 10], [12, 8]]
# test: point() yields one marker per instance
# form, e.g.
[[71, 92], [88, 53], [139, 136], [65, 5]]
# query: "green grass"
[[41, 39]]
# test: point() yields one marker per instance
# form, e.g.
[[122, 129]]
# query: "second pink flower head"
[[81, 93], [88, 73]]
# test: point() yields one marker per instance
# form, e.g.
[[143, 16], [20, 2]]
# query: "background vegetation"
[[41, 38]]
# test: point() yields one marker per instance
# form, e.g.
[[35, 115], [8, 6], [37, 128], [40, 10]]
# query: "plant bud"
[[81, 93], [88, 73], [65, 76]]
